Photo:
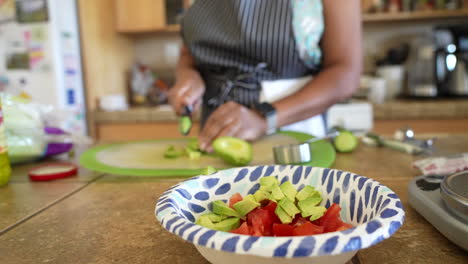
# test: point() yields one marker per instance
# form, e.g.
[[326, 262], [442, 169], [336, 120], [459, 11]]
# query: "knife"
[[185, 121]]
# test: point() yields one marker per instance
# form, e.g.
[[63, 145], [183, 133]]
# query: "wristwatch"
[[269, 112]]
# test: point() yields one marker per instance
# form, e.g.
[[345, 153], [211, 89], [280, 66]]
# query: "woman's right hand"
[[187, 91]]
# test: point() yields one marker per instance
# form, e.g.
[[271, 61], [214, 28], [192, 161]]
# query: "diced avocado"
[[306, 192], [246, 205], [283, 216], [193, 145], [215, 218], [172, 153], [276, 193], [185, 124], [316, 213], [346, 141], [234, 151], [227, 224], [221, 208], [209, 170], [308, 205], [261, 195], [268, 182], [289, 207], [288, 190], [194, 155]]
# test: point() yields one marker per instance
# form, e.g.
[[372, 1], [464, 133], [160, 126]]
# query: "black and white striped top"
[[237, 44]]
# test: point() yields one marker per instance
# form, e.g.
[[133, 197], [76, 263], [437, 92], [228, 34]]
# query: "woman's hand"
[[235, 120], [187, 91]]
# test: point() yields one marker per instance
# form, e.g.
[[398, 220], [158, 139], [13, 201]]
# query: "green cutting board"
[[145, 158]]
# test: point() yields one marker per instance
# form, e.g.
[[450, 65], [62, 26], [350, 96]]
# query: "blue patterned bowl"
[[374, 210]]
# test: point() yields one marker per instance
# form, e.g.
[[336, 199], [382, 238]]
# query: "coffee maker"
[[451, 60]]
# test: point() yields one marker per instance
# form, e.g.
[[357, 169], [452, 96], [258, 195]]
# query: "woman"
[[257, 65]]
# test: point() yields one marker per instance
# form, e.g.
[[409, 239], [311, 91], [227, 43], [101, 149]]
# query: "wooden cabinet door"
[[140, 15]]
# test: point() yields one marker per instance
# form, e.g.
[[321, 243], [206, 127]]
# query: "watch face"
[[266, 109]]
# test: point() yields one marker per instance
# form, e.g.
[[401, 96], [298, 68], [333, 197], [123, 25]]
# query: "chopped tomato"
[[242, 229], [282, 230], [237, 197], [344, 226], [299, 220], [308, 229], [271, 207], [331, 219], [260, 220], [258, 229]]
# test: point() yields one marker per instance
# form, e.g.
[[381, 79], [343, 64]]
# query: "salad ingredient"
[[345, 141], [172, 153], [185, 125], [221, 208], [234, 151], [246, 205]]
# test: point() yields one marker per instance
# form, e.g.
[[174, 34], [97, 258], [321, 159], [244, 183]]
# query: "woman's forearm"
[[332, 85], [186, 62]]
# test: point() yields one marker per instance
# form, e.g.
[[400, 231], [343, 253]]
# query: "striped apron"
[[241, 49]]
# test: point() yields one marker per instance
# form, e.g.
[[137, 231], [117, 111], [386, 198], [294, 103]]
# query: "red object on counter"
[[53, 171]]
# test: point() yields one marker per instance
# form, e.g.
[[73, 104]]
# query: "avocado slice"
[[276, 193], [306, 192], [307, 206], [234, 151], [288, 207], [315, 213], [209, 170], [267, 183], [225, 225], [261, 195], [246, 205], [194, 155], [215, 218], [288, 190], [221, 208], [283, 216], [185, 124], [172, 152]]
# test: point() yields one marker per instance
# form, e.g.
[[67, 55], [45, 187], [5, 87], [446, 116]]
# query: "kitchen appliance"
[[41, 59], [451, 60]]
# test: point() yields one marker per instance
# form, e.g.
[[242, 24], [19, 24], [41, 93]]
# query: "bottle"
[[5, 168]]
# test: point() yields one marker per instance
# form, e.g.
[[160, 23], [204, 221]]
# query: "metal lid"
[[454, 191]]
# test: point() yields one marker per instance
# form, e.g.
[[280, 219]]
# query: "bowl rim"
[[177, 224]]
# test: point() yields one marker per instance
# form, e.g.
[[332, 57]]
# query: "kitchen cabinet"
[[144, 16]]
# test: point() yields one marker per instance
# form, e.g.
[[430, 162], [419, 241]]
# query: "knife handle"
[[188, 110]]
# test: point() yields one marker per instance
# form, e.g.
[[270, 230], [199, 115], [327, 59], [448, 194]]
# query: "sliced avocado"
[[193, 144], [205, 221], [209, 170], [306, 192], [194, 155], [215, 218], [268, 182], [309, 203], [185, 124], [289, 207], [227, 224], [246, 205], [283, 216], [288, 189], [346, 141], [234, 151], [221, 208], [261, 195], [276, 193], [316, 213], [172, 152]]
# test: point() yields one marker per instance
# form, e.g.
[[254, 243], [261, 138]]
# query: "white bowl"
[[374, 210]]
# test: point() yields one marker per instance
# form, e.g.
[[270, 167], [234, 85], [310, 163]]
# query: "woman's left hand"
[[234, 120]]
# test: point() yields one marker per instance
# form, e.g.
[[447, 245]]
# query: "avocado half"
[[234, 151]]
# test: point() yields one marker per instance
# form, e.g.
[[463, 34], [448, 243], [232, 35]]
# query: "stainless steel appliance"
[[451, 60]]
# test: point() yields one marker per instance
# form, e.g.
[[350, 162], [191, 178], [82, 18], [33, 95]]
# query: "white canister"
[[394, 77]]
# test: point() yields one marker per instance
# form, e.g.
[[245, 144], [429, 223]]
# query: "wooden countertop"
[[394, 110], [110, 219]]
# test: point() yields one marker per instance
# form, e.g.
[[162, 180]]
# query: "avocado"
[[317, 212], [276, 193], [267, 183], [234, 151], [194, 155], [282, 215], [215, 218], [172, 153], [289, 191], [185, 124], [346, 141], [306, 192], [289, 207], [261, 195], [221, 208], [225, 225], [209, 170], [246, 205], [308, 205]]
